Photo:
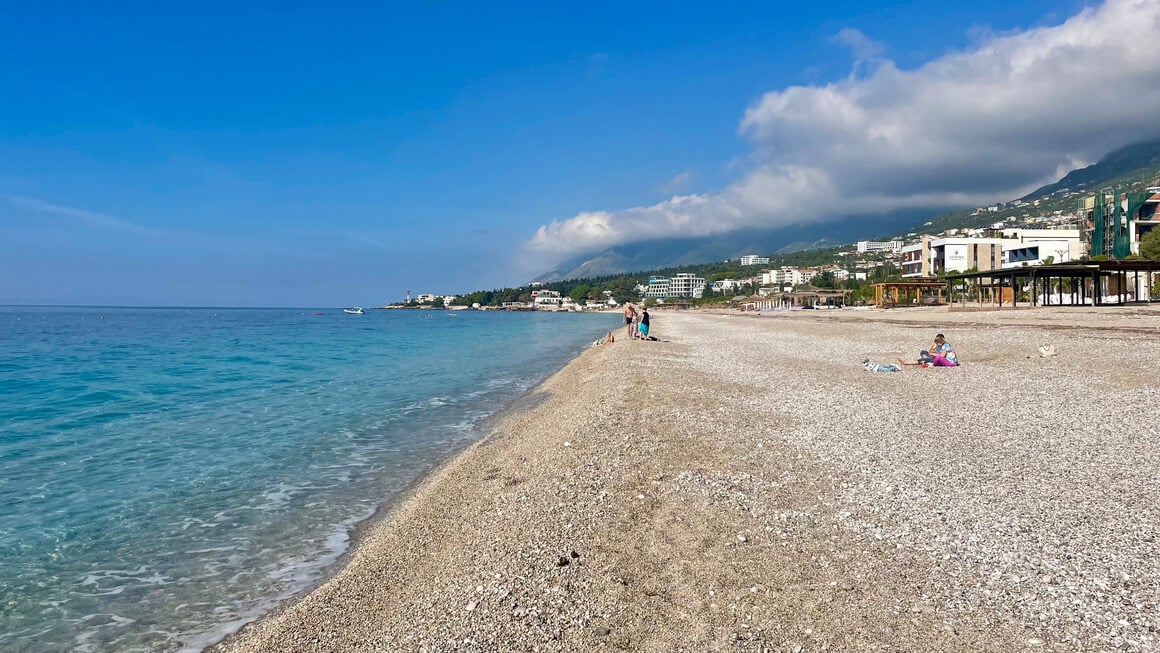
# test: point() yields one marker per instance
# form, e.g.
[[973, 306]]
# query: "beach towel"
[[871, 366]]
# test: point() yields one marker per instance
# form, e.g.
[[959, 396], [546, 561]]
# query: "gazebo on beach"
[[916, 292], [803, 297]]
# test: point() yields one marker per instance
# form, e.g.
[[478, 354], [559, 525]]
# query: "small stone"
[[575, 556], [640, 496], [471, 606], [563, 561], [742, 537], [602, 631], [1035, 642], [567, 444]]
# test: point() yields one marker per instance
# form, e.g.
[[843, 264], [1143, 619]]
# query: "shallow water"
[[168, 473]]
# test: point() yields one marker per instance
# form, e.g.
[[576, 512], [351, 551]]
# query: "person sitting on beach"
[[940, 355], [606, 340], [644, 324]]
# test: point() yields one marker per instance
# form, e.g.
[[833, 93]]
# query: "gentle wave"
[[167, 475]]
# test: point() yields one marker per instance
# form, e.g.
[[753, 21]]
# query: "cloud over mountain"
[[970, 127]]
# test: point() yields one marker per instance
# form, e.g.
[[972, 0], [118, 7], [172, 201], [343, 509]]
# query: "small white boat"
[[357, 310]]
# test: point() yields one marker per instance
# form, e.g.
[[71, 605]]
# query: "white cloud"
[[970, 127], [861, 45]]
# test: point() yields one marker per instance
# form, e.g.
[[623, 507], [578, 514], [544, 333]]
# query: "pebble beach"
[[745, 485]]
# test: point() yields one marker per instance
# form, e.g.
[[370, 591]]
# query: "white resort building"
[[684, 284], [752, 259], [879, 246], [999, 249]]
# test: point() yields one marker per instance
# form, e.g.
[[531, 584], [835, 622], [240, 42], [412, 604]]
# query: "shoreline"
[[215, 639], [567, 525]]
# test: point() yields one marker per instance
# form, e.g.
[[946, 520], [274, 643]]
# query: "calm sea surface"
[[168, 473]]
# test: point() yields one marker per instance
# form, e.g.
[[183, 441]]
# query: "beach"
[[744, 484]]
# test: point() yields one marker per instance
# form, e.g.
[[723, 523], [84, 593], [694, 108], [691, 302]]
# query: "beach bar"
[[916, 292], [1091, 283]]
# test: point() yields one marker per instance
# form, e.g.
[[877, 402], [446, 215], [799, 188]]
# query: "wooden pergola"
[[808, 296], [917, 292], [1092, 283]]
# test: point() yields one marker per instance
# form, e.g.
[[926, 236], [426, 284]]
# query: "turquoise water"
[[166, 474]]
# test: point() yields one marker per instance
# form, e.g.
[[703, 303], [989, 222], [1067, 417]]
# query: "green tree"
[[1150, 244], [579, 293], [824, 280]]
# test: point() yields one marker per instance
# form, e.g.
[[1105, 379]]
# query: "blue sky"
[[334, 154]]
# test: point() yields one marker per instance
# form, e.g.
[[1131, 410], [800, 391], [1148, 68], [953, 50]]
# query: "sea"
[[168, 474]]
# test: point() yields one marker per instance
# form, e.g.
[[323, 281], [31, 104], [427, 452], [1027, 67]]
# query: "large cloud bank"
[[970, 127]]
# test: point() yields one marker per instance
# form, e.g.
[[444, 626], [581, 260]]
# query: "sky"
[[311, 154]]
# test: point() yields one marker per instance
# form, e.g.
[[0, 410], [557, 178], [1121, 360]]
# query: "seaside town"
[[1103, 226]]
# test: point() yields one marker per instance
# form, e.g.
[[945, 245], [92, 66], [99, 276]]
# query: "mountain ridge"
[[1132, 165]]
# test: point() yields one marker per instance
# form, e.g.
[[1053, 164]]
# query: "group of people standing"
[[636, 321]]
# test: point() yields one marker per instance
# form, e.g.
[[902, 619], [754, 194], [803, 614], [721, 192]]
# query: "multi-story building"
[[687, 285], [915, 259], [657, 288], [989, 250], [879, 246], [1119, 220], [785, 276], [751, 259], [724, 285], [684, 284], [949, 255], [1036, 246], [546, 298]]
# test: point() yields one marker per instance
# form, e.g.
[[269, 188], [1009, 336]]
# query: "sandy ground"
[[745, 485]]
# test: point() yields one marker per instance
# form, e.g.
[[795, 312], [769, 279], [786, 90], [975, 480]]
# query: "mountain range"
[[1133, 165]]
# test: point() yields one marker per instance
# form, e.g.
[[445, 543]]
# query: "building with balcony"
[[546, 298], [684, 284], [891, 246], [915, 259], [1118, 221], [1038, 246], [754, 260]]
